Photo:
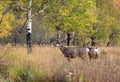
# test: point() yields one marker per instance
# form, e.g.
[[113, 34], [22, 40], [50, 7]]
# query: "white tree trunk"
[[29, 23], [29, 28], [29, 20]]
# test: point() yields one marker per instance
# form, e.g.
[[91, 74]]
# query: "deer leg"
[[82, 57], [96, 55], [68, 59], [90, 57]]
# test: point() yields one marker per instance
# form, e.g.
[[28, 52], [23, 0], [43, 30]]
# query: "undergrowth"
[[51, 66]]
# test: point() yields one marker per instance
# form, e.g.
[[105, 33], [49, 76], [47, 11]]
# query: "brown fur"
[[92, 54], [73, 52]]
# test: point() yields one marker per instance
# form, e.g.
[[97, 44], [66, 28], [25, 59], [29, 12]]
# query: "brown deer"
[[93, 53], [73, 52]]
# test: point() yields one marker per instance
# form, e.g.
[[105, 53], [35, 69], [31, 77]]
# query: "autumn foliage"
[[86, 18]]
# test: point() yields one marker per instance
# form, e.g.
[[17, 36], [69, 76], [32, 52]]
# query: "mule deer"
[[93, 53], [73, 52]]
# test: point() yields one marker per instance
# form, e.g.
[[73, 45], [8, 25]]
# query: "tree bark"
[[29, 28], [92, 41], [110, 38], [58, 34], [68, 39]]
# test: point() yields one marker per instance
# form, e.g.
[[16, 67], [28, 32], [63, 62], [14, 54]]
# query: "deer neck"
[[62, 48]]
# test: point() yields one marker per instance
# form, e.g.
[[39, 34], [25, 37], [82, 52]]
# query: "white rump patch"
[[87, 49], [97, 51]]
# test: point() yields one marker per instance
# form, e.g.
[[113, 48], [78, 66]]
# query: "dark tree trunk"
[[29, 42], [110, 38], [68, 39], [108, 43], [15, 39], [58, 34], [92, 41]]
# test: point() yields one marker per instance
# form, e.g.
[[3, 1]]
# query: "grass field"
[[47, 64]]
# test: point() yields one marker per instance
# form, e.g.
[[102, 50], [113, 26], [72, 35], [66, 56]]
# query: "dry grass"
[[57, 69]]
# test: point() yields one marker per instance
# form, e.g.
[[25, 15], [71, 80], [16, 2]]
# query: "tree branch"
[[20, 7], [39, 11], [23, 9]]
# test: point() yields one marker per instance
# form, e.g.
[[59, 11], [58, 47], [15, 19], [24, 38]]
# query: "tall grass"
[[47, 64]]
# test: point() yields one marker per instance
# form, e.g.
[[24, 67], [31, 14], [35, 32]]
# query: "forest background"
[[83, 19]]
